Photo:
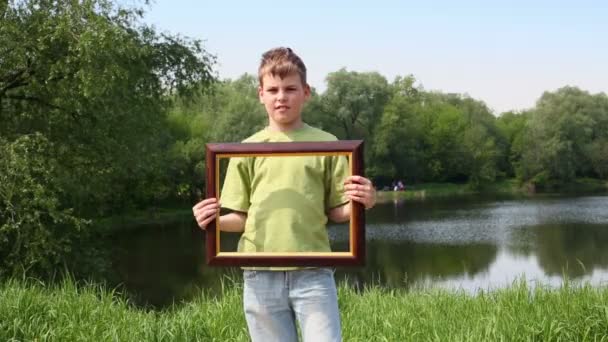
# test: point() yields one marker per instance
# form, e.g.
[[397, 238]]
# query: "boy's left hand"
[[360, 189]]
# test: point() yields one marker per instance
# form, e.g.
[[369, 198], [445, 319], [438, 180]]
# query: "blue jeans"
[[274, 300]]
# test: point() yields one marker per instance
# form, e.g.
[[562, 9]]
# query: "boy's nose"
[[281, 95]]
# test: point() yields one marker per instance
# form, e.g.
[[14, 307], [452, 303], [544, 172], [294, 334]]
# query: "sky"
[[505, 53]]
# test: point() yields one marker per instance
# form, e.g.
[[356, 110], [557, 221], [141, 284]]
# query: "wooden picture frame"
[[353, 149]]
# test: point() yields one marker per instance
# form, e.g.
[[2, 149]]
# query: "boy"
[[282, 205]]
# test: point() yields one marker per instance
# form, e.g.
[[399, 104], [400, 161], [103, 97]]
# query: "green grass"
[[66, 312], [91, 313]]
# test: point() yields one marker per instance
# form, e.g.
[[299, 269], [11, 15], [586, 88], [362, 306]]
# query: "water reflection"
[[470, 244], [405, 264], [577, 249], [162, 264]]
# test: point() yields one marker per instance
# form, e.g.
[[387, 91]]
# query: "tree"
[[480, 140], [565, 136], [92, 86], [444, 125], [35, 228], [512, 127], [353, 102], [459, 140], [399, 139]]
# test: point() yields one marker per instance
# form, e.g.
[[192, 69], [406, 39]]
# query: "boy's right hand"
[[205, 211]]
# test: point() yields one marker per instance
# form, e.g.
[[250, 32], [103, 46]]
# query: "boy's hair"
[[281, 62]]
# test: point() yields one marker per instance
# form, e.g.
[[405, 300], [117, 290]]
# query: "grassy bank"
[[509, 187], [69, 313]]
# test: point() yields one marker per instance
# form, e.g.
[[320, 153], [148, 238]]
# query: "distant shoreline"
[[509, 187]]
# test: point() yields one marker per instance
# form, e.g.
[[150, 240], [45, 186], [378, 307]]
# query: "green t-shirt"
[[286, 198]]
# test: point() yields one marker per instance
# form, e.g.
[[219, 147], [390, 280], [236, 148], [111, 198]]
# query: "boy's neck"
[[276, 127]]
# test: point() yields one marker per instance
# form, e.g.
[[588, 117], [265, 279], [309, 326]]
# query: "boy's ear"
[[260, 93], [307, 91]]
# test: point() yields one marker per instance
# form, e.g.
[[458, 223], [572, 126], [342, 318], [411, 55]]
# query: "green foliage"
[[445, 126], [597, 150], [88, 88], [353, 103], [426, 136], [566, 136], [36, 230], [399, 139], [512, 128], [237, 113]]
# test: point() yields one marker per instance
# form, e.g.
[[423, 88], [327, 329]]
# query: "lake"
[[467, 243]]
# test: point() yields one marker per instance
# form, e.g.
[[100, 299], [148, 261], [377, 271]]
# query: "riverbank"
[[505, 188], [31, 311]]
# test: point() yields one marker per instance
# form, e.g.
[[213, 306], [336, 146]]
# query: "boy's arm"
[[233, 222], [339, 214], [235, 195], [358, 189], [206, 210]]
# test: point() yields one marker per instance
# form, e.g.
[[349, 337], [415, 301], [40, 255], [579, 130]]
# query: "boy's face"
[[283, 99]]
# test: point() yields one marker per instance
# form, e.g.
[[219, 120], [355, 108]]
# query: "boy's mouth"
[[281, 107]]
